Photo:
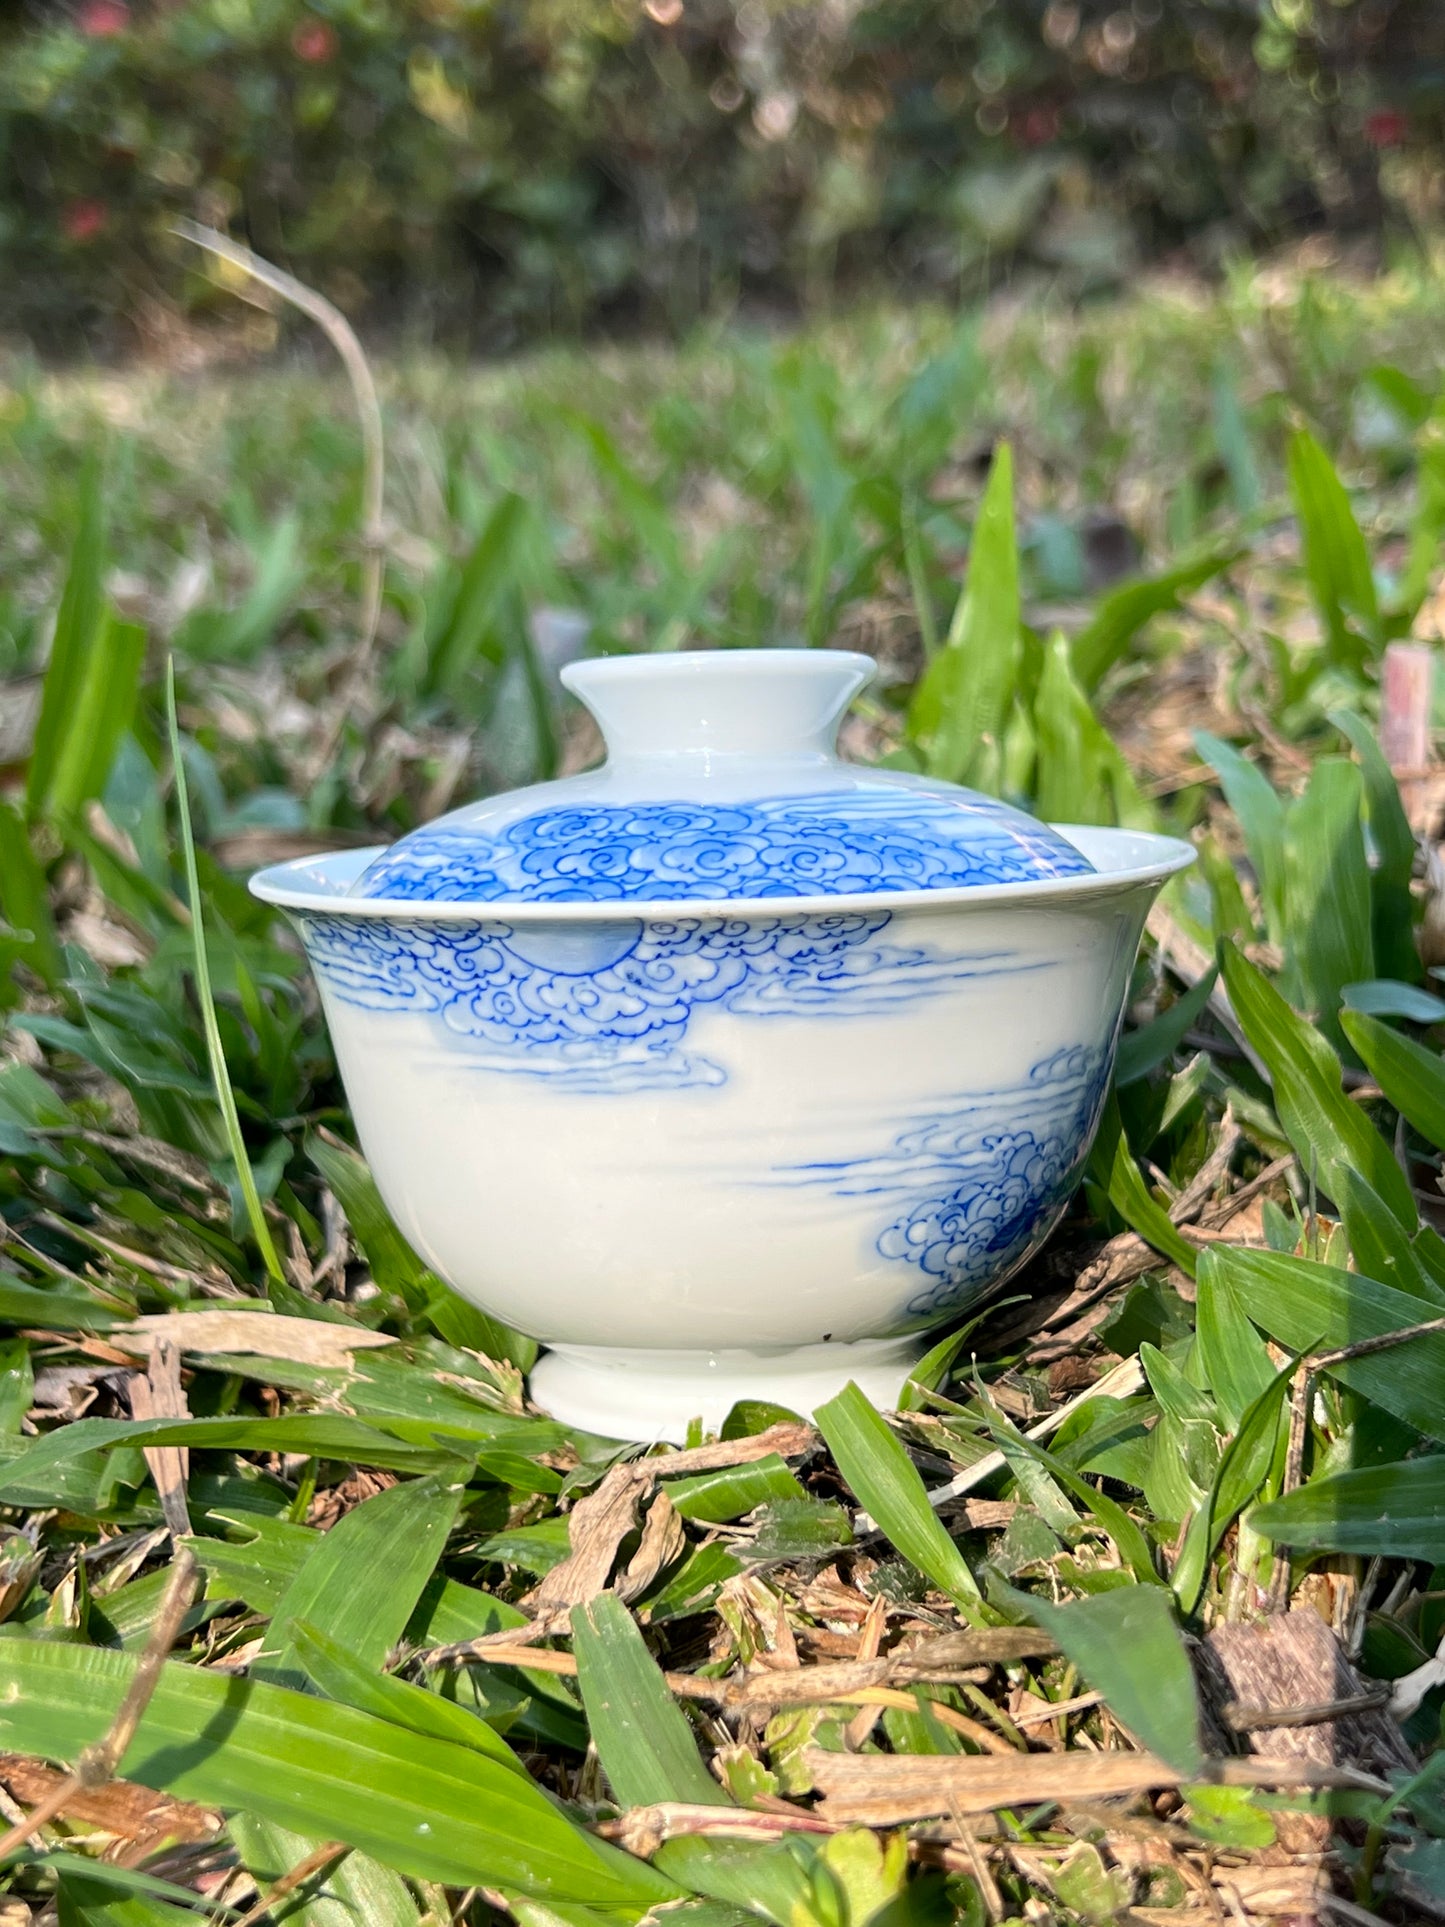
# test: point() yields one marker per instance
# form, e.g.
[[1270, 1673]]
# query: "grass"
[[1137, 565]]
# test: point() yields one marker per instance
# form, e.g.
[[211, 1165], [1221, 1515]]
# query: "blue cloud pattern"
[[852, 842], [606, 1006], [968, 1193]]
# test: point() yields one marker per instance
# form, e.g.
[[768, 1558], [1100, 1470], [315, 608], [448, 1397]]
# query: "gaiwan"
[[728, 1069]]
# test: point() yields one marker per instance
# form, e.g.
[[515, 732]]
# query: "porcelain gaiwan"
[[727, 1069]]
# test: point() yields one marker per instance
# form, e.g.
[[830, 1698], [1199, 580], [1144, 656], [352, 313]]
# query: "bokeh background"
[[488, 171]]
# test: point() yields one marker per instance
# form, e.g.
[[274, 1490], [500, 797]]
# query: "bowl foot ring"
[[656, 1395]]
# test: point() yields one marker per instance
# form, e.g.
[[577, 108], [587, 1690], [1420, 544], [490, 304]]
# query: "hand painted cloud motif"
[[607, 1006], [831, 844], [967, 1193]]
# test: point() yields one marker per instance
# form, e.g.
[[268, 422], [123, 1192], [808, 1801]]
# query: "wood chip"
[[158, 1393], [876, 1790], [266, 1334]]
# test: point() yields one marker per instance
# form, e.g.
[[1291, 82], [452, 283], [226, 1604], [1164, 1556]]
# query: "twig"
[[99, 1763], [1253, 1719], [324, 1858], [342, 336]]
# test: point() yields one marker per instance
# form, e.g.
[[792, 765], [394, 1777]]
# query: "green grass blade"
[[1312, 1307], [1126, 1645], [1260, 811], [354, 1889], [1336, 560], [1326, 1130], [220, 1076], [431, 1810], [886, 1483], [362, 1580], [1327, 891], [1395, 1511], [1123, 612], [641, 1733], [967, 692], [1410, 1075], [79, 619], [1392, 904]]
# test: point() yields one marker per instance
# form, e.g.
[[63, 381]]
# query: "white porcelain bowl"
[[736, 1146]]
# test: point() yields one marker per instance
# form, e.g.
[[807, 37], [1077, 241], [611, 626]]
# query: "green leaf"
[[343, 1675], [1232, 1357], [1326, 1130], [354, 1889], [715, 1497], [641, 1734], [1396, 1511], [1336, 560], [1327, 890], [966, 693], [1378, 1242], [1392, 913], [1126, 1645], [1312, 1307], [1244, 1465], [1388, 997], [79, 623], [1082, 778], [1130, 1196], [428, 1808], [25, 897], [1123, 612], [361, 1581], [1261, 815], [94, 1902], [1141, 1050], [1410, 1075], [885, 1481], [215, 1050]]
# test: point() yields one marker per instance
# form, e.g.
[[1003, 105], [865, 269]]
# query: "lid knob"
[[724, 702]]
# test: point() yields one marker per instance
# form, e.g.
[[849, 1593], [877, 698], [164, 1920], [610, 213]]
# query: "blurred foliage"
[[489, 169]]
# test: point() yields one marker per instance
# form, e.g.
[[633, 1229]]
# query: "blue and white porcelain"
[[727, 1069]]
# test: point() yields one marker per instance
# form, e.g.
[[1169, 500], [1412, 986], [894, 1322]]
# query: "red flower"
[[315, 41], [82, 221], [103, 19], [1387, 127]]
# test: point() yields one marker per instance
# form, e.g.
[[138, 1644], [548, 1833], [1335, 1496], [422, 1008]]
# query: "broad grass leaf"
[[1261, 815], [1396, 1511], [1131, 1197], [25, 894], [716, 1497], [361, 1581], [1326, 1130], [1392, 902], [968, 689], [1378, 1242], [94, 1902], [1312, 1307], [1082, 778], [1388, 997], [640, 1732], [431, 1810], [1327, 890], [342, 1675], [1336, 560], [1123, 612], [1141, 1050], [1247, 1461], [79, 622], [885, 1481], [354, 1889], [1230, 1354], [1410, 1075], [1126, 1645], [319, 1434]]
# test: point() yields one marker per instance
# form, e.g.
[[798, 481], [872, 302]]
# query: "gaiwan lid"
[[721, 782]]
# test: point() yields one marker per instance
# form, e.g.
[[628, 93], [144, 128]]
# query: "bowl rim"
[[1149, 859]]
